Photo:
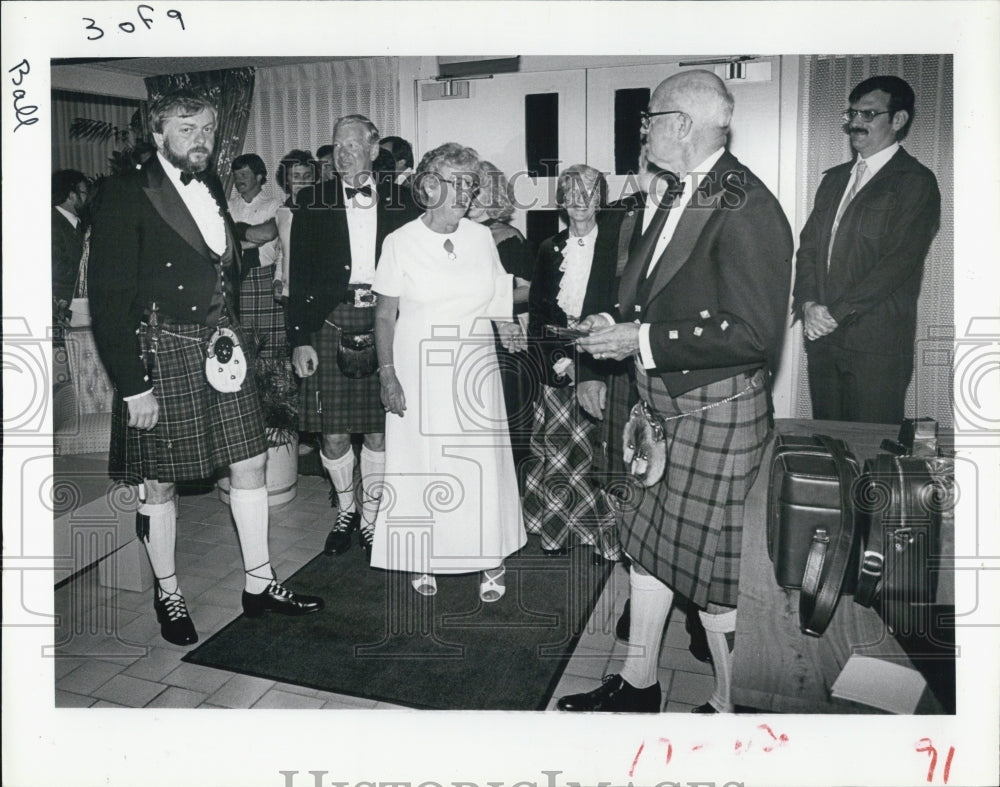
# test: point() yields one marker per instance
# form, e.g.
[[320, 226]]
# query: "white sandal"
[[490, 589], [424, 584]]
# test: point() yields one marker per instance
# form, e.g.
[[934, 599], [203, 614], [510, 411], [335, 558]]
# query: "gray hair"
[[450, 154], [586, 176], [371, 128], [499, 205]]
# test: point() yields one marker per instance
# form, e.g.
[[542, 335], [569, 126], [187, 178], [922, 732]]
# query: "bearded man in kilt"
[[163, 266], [702, 307], [336, 241]]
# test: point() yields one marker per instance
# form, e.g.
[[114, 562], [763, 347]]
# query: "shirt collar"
[[172, 172], [691, 184], [365, 181], [74, 220], [876, 161]]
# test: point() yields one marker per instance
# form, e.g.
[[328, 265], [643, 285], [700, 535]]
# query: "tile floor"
[[109, 652]]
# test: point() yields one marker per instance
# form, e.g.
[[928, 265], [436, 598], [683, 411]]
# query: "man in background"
[[861, 259]]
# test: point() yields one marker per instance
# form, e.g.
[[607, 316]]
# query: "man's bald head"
[[702, 110]]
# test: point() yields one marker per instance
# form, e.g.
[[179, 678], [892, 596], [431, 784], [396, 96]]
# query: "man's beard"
[[184, 163]]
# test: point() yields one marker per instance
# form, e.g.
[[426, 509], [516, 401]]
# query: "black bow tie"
[[366, 190], [187, 177]]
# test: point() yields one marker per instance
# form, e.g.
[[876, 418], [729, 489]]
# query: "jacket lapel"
[[703, 205], [168, 203]]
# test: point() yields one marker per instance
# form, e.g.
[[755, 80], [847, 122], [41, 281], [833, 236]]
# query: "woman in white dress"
[[450, 501]]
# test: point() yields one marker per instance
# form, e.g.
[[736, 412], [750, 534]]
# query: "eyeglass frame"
[[646, 117], [849, 114], [474, 187]]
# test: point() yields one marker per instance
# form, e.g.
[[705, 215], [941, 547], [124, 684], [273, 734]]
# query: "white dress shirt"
[[202, 207], [70, 217], [362, 225], [873, 164], [257, 211]]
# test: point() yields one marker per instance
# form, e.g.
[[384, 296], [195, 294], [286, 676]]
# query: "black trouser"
[[846, 385]]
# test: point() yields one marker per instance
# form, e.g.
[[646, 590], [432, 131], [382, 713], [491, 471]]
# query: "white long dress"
[[450, 501]]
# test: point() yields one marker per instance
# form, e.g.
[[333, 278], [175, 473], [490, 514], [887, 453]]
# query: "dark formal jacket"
[[67, 249], [146, 247], [717, 299], [544, 309], [320, 267], [873, 281]]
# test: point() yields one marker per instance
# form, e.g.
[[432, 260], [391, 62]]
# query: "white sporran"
[[225, 363]]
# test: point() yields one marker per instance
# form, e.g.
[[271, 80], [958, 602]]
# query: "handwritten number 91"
[[141, 11]]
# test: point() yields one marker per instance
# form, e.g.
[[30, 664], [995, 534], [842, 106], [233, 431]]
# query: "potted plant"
[[279, 402]]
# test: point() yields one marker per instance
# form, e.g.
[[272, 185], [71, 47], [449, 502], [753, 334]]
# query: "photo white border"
[[44, 746]]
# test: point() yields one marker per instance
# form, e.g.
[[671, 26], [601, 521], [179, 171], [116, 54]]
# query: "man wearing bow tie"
[[702, 305], [163, 273], [335, 244], [860, 261]]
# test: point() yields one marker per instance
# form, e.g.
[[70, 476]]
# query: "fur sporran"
[[645, 449], [356, 356]]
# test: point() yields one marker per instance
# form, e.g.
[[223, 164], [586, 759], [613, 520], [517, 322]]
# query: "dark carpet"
[[379, 639]]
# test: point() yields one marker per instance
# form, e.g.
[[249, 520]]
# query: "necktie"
[[366, 190], [859, 174], [187, 177], [650, 238]]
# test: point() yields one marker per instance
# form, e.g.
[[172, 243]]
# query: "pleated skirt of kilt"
[[263, 315], [331, 403], [199, 429], [562, 501], [687, 530]]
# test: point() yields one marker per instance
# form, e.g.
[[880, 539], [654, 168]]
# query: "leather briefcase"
[[803, 497], [901, 501]]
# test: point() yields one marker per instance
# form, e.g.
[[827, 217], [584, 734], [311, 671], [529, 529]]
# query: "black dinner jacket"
[[717, 299], [145, 246], [873, 281], [544, 309], [67, 249], [320, 268]]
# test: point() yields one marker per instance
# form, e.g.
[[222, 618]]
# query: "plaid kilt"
[[561, 497], [688, 529], [331, 403], [199, 429], [260, 314]]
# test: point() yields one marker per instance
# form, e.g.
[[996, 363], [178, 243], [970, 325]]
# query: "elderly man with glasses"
[[860, 262]]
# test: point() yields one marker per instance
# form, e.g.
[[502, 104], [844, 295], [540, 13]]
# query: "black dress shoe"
[[704, 708], [366, 537], [624, 623], [339, 540], [278, 598], [615, 695], [698, 646], [176, 625]]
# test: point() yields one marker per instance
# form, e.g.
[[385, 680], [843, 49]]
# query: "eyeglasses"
[[462, 184], [867, 115], [646, 117]]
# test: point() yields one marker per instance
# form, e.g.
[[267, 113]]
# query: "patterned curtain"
[[826, 83], [232, 91]]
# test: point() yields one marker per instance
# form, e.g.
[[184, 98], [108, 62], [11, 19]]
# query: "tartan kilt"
[[688, 529], [609, 458], [561, 497], [199, 429], [262, 315], [331, 403]]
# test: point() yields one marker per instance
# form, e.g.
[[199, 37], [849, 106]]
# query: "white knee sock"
[[716, 628], [372, 472], [161, 543], [250, 511], [341, 472], [650, 605]]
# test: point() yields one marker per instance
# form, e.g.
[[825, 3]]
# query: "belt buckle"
[[364, 298]]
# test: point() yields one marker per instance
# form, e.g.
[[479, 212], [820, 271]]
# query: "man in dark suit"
[[335, 244], [163, 270], [70, 193], [860, 261], [701, 309]]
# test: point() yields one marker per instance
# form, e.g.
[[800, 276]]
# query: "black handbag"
[[356, 356], [901, 500], [813, 535]]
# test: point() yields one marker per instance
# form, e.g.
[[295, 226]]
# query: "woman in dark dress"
[[574, 276], [494, 207]]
